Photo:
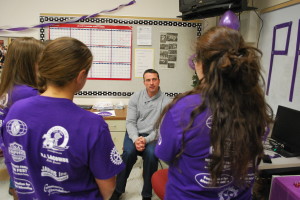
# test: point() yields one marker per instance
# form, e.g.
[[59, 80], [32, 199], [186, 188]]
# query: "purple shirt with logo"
[[55, 149], [18, 92], [189, 178]]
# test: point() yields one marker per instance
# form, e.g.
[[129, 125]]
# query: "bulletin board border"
[[59, 18], [116, 94], [120, 20]]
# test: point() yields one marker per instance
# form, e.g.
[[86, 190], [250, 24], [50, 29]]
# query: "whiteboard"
[[279, 43]]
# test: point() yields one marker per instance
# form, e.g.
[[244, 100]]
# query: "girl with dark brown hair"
[[212, 135]]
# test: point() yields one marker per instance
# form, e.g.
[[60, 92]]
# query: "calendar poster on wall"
[[110, 45]]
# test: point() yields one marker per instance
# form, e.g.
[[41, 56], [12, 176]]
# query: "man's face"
[[151, 82]]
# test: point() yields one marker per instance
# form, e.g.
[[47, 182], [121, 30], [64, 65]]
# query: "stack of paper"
[[119, 106], [103, 106]]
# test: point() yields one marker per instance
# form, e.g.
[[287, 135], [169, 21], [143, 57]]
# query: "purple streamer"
[[18, 29], [42, 25], [297, 53], [76, 19], [278, 52]]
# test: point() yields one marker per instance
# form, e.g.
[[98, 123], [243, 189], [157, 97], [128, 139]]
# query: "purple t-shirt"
[[21, 92], [18, 92], [190, 179], [55, 149]]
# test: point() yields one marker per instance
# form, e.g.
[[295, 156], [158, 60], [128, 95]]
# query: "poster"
[[168, 50]]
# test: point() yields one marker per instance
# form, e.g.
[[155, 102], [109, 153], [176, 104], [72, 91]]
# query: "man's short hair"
[[150, 71]]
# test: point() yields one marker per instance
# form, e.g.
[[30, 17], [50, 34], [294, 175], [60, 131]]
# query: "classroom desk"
[[279, 166], [283, 188], [280, 163], [117, 127]]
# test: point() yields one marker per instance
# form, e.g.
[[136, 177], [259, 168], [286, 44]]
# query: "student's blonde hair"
[[62, 60]]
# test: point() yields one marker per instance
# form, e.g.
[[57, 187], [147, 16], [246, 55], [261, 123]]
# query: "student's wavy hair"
[[62, 60], [232, 89], [20, 66]]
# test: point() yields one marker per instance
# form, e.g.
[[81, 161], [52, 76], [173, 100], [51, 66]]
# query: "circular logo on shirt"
[[16, 127], [228, 193], [115, 157], [56, 139], [209, 122]]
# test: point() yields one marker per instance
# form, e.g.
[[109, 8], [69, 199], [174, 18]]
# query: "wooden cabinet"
[[117, 129]]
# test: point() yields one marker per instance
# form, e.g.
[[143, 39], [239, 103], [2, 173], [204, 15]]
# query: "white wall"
[[283, 65], [261, 4], [15, 13], [249, 21], [26, 13]]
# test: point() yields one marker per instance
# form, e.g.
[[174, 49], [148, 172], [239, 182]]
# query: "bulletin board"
[[168, 56], [280, 42]]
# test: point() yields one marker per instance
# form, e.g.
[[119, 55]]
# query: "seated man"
[[144, 108]]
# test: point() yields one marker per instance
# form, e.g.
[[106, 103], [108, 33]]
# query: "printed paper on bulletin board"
[[110, 45]]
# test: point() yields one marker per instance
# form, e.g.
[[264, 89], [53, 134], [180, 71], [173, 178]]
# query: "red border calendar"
[[111, 47]]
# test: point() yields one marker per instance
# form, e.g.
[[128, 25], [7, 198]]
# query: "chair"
[[159, 180]]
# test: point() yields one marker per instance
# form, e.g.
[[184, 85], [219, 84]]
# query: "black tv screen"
[[188, 5], [198, 9], [286, 129]]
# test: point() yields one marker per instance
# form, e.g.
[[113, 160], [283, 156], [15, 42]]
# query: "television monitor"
[[188, 5], [198, 9], [286, 131]]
